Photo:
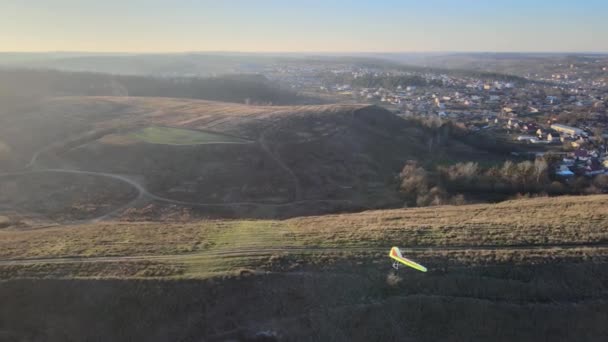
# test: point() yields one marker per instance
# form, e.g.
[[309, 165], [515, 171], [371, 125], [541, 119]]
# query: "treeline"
[[462, 182], [254, 89], [377, 81], [389, 81], [478, 74], [488, 76]]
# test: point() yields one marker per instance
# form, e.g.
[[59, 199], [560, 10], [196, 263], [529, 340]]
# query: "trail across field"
[[254, 252], [145, 195]]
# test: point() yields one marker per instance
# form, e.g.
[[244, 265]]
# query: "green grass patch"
[[179, 136]]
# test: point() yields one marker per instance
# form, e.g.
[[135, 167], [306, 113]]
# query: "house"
[[581, 155], [552, 99], [512, 122], [594, 168], [568, 161], [530, 127], [554, 137], [538, 141], [539, 132], [564, 171], [525, 138], [573, 131]]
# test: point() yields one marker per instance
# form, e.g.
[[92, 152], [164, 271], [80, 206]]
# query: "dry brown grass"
[[537, 222], [36, 125], [187, 113], [518, 222], [104, 239]]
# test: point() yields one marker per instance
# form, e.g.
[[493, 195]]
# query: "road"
[[143, 193]]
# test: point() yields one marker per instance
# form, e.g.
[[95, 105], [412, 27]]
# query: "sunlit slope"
[[523, 231], [526, 267]]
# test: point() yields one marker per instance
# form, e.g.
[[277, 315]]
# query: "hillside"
[[526, 269], [238, 88], [227, 160]]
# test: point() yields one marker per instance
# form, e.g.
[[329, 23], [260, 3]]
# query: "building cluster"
[[562, 106], [585, 158], [582, 162]]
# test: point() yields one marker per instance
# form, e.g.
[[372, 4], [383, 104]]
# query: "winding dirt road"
[[145, 195]]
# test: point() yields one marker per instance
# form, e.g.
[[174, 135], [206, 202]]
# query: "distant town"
[[560, 110]]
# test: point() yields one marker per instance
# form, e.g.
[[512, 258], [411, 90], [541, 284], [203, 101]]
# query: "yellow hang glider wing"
[[395, 254]]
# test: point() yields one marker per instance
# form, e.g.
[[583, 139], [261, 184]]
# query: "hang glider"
[[395, 254]]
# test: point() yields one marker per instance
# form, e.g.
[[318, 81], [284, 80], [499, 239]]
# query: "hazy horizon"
[[389, 26], [298, 53]]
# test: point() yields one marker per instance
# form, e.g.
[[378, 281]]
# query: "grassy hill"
[[176, 136], [484, 231], [526, 270], [231, 160], [238, 88]]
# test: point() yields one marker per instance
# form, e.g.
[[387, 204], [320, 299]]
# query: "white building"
[[573, 131]]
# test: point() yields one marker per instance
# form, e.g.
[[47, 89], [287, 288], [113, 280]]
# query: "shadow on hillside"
[[556, 302]]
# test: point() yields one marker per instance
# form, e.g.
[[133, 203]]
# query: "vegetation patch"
[[179, 136], [140, 269]]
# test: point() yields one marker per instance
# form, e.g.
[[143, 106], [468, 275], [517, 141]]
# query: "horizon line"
[[299, 52]]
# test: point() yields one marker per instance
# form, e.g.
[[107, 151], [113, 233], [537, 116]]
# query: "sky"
[[304, 25]]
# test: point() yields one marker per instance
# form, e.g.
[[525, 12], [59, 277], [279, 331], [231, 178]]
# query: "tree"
[[601, 182], [417, 187], [526, 175], [540, 169], [413, 177], [509, 171], [556, 188]]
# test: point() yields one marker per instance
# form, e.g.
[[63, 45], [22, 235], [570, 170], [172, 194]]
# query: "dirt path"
[[279, 161], [145, 195], [249, 252], [142, 192]]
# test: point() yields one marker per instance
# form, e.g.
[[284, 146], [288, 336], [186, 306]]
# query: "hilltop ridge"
[[223, 159]]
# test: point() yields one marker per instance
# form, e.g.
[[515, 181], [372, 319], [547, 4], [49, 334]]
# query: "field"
[[571, 228], [525, 270], [176, 136]]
